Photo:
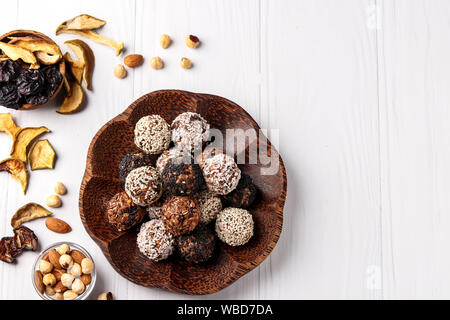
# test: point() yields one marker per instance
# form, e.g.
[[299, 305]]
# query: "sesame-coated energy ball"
[[154, 241], [190, 131], [144, 185], [177, 154], [244, 194], [180, 215], [152, 134], [122, 213], [221, 173], [182, 179], [132, 161], [234, 226], [210, 205], [198, 246]]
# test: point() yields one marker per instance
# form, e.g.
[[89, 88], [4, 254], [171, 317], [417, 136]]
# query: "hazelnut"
[[70, 295], [192, 41], [165, 41], [53, 201], [120, 71], [65, 261], [50, 291], [59, 296], [185, 63], [63, 249], [78, 286], [86, 278], [76, 270], [45, 266], [105, 296], [156, 63], [67, 280], [60, 188], [49, 280], [87, 266]]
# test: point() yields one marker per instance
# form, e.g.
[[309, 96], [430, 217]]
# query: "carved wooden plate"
[[101, 181]]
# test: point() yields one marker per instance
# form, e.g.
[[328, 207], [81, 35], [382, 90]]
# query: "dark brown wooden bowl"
[[62, 65], [101, 181]]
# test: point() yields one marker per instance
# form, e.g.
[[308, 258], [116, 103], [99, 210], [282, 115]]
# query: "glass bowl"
[[72, 246]]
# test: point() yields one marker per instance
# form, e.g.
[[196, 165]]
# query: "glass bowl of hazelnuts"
[[64, 271]]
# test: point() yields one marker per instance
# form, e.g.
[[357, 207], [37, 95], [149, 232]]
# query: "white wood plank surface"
[[357, 93]]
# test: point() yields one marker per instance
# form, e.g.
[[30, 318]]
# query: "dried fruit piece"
[[15, 53], [76, 67], [7, 125], [133, 60], [28, 212], [25, 238], [73, 102], [38, 45], [82, 22], [57, 225], [41, 155], [47, 59], [85, 55], [17, 170], [94, 36], [23, 138]]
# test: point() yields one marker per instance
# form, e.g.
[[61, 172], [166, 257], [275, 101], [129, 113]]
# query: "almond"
[[77, 256], [53, 257], [58, 273], [133, 60], [57, 225], [39, 281], [86, 279], [59, 287]]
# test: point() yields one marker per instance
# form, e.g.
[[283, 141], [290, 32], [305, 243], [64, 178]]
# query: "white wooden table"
[[359, 90]]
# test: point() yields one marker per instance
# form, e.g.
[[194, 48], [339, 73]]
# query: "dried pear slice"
[[41, 155], [22, 139], [15, 53], [85, 55], [94, 36], [34, 45], [73, 102], [29, 212], [76, 67], [82, 22], [47, 59], [7, 125], [17, 170]]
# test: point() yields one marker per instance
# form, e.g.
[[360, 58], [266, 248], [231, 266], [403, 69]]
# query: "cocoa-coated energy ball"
[[132, 161], [234, 226], [221, 173], [180, 215], [152, 134], [198, 246], [122, 213], [155, 241], [144, 185], [210, 205], [244, 194], [182, 179], [190, 131]]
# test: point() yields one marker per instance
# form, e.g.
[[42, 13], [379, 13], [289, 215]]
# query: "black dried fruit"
[[9, 97], [53, 79], [8, 70], [36, 100], [30, 82]]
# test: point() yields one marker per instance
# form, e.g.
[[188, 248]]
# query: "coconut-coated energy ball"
[[177, 154], [198, 246], [221, 173], [154, 212], [152, 134], [132, 161], [122, 213], [144, 185], [234, 226], [180, 215], [154, 241], [210, 205], [190, 131], [182, 179], [244, 194]]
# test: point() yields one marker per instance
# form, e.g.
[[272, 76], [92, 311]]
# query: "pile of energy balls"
[[186, 201]]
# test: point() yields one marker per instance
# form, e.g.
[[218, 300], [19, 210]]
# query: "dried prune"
[[30, 82], [53, 79], [9, 97], [8, 70], [36, 100]]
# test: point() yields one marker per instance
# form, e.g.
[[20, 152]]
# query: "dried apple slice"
[[73, 102], [22, 139], [7, 125], [17, 170], [94, 36], [85, 56], [82, 22], [76, 67], [29, 212], [41, 155], [15, 53]]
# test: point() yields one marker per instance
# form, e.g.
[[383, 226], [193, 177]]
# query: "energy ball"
[[180, 215], [144, 185], [180, 155], [210, 205], [244, 194], [152, 134], [182, 178], [132, 161], [198, 246], [154, 241], [221, 173], [122, 213], [190, 131], [234, 226], [154, 212]]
